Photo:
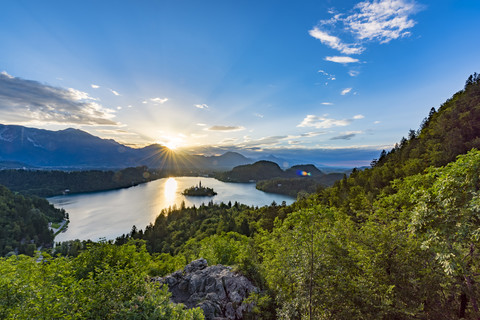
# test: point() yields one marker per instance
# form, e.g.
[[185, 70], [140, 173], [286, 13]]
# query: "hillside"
[[269, 177], [24, 222], [304, 170], [64, 148], [444, 134], [48, 183], [369, 247], [260, 170], [399, 240]]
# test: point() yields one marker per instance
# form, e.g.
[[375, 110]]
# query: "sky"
[[277, 77]]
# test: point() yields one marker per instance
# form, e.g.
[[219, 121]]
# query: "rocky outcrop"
[[218, 290]]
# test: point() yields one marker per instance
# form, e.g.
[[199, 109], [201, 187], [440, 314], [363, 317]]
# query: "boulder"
[[218, 290]]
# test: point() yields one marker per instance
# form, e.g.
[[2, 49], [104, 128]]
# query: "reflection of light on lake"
[[141, 205], [170, 190]]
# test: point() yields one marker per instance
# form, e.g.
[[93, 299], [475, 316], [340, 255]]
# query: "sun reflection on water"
[[170, 190]]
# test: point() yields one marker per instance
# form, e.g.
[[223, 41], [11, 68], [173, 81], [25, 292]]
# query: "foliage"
[[47, 183], [174, 227], [270, 178], [259, 170], [397, 241], [231, 249], [415, 255], [103, 282], [289, 186], [452, 130], [199, 191], [320, 267], [446, 214], [24, 222]]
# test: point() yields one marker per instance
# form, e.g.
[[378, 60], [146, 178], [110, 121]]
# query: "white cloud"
[[312, 134], [376, 122], [201, 124], [341, 59], [262, 142], [227, 141], [382, 21], [31, 101], [201, 106], [353, 73], [345, 91], [258, 115], [159, 100], [323, 122], [115, 92], [330, 76], [79, 95], [335, 42], [226, 128], [369, 21], [346, 135], [144, 101], [327, 103], [94, 86]]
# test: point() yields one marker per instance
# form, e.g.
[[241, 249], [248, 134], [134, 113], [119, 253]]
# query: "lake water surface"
[[109, 214]]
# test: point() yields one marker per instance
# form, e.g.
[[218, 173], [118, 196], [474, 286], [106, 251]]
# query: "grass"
[[55, 225]]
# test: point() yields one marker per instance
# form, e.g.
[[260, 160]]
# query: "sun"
[[171, 141], [171, 145]]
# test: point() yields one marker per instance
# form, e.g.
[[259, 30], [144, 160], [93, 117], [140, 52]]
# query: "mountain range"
[[76, 149], [267, 170]]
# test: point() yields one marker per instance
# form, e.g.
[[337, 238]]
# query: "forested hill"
[[452, 130], [24, 222], [400, 240], [260, 170], [44, 183], [444, 134]]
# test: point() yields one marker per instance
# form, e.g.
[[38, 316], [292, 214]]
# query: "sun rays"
[[168, 160]]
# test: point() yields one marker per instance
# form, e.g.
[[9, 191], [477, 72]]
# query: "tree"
[[446, 214], [103, 282]]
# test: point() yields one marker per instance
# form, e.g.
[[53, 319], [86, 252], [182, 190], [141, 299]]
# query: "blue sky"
[[251, 76]]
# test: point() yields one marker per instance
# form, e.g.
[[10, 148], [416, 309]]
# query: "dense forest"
[[396, 241], [46, 183], [24, 223], [452, 130], [290, 186], [103, 282], [399, 240]]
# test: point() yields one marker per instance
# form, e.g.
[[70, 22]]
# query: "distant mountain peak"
[[75, 148], [233, 154]]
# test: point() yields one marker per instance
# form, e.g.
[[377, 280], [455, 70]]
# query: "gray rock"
[[218, 290]]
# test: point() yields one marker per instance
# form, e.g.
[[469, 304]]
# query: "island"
[[199, 191]]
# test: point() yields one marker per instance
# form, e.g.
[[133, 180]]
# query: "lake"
[[109, 214]]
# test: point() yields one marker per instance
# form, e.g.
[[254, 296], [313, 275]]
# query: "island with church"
[[199, 191]]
